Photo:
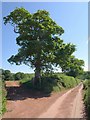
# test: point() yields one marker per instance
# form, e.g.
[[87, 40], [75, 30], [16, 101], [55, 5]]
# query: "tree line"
[[8, 75]]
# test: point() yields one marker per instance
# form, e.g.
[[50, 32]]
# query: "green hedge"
[[3, 98], [67, 81], [86, 87], [52, 82], [58, 82]]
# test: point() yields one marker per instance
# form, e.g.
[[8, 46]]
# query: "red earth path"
[[23, 103]]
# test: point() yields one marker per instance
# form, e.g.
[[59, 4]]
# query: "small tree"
[[39, 40]]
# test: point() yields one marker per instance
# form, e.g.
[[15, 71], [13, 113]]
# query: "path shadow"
[[24, 91]]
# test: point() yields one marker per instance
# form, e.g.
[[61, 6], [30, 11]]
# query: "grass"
[[27, 78]]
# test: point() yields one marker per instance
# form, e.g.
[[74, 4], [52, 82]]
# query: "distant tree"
[[39, 41], [8, 75], [19, 76], [73, 67]]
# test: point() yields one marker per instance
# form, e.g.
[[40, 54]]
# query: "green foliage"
[[36, 36], [52, 82], [73, 66], [27, 77], [49, 83], [19, 76], [85, 75], [3, 94], [6, 74], [68, 81], [39, 41], [86, 88]]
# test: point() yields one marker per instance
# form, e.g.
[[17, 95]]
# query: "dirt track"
[[26, 104]]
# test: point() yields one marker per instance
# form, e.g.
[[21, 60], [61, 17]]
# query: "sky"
[[71, 16], [88, 37]]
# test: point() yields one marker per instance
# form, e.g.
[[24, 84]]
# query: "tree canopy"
[[39, 39], [73, 66]]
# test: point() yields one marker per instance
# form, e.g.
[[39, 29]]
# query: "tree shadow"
[[25, 91]]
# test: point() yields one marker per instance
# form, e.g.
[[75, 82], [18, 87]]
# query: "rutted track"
[[67, 104]]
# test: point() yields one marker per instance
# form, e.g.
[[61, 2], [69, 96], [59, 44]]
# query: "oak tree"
[[39, 39]]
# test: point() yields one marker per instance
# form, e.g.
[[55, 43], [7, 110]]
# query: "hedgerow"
[[3, 94], [86, 87]]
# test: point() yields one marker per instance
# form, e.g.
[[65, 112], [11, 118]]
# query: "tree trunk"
[[37, 69], [37, 75]]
